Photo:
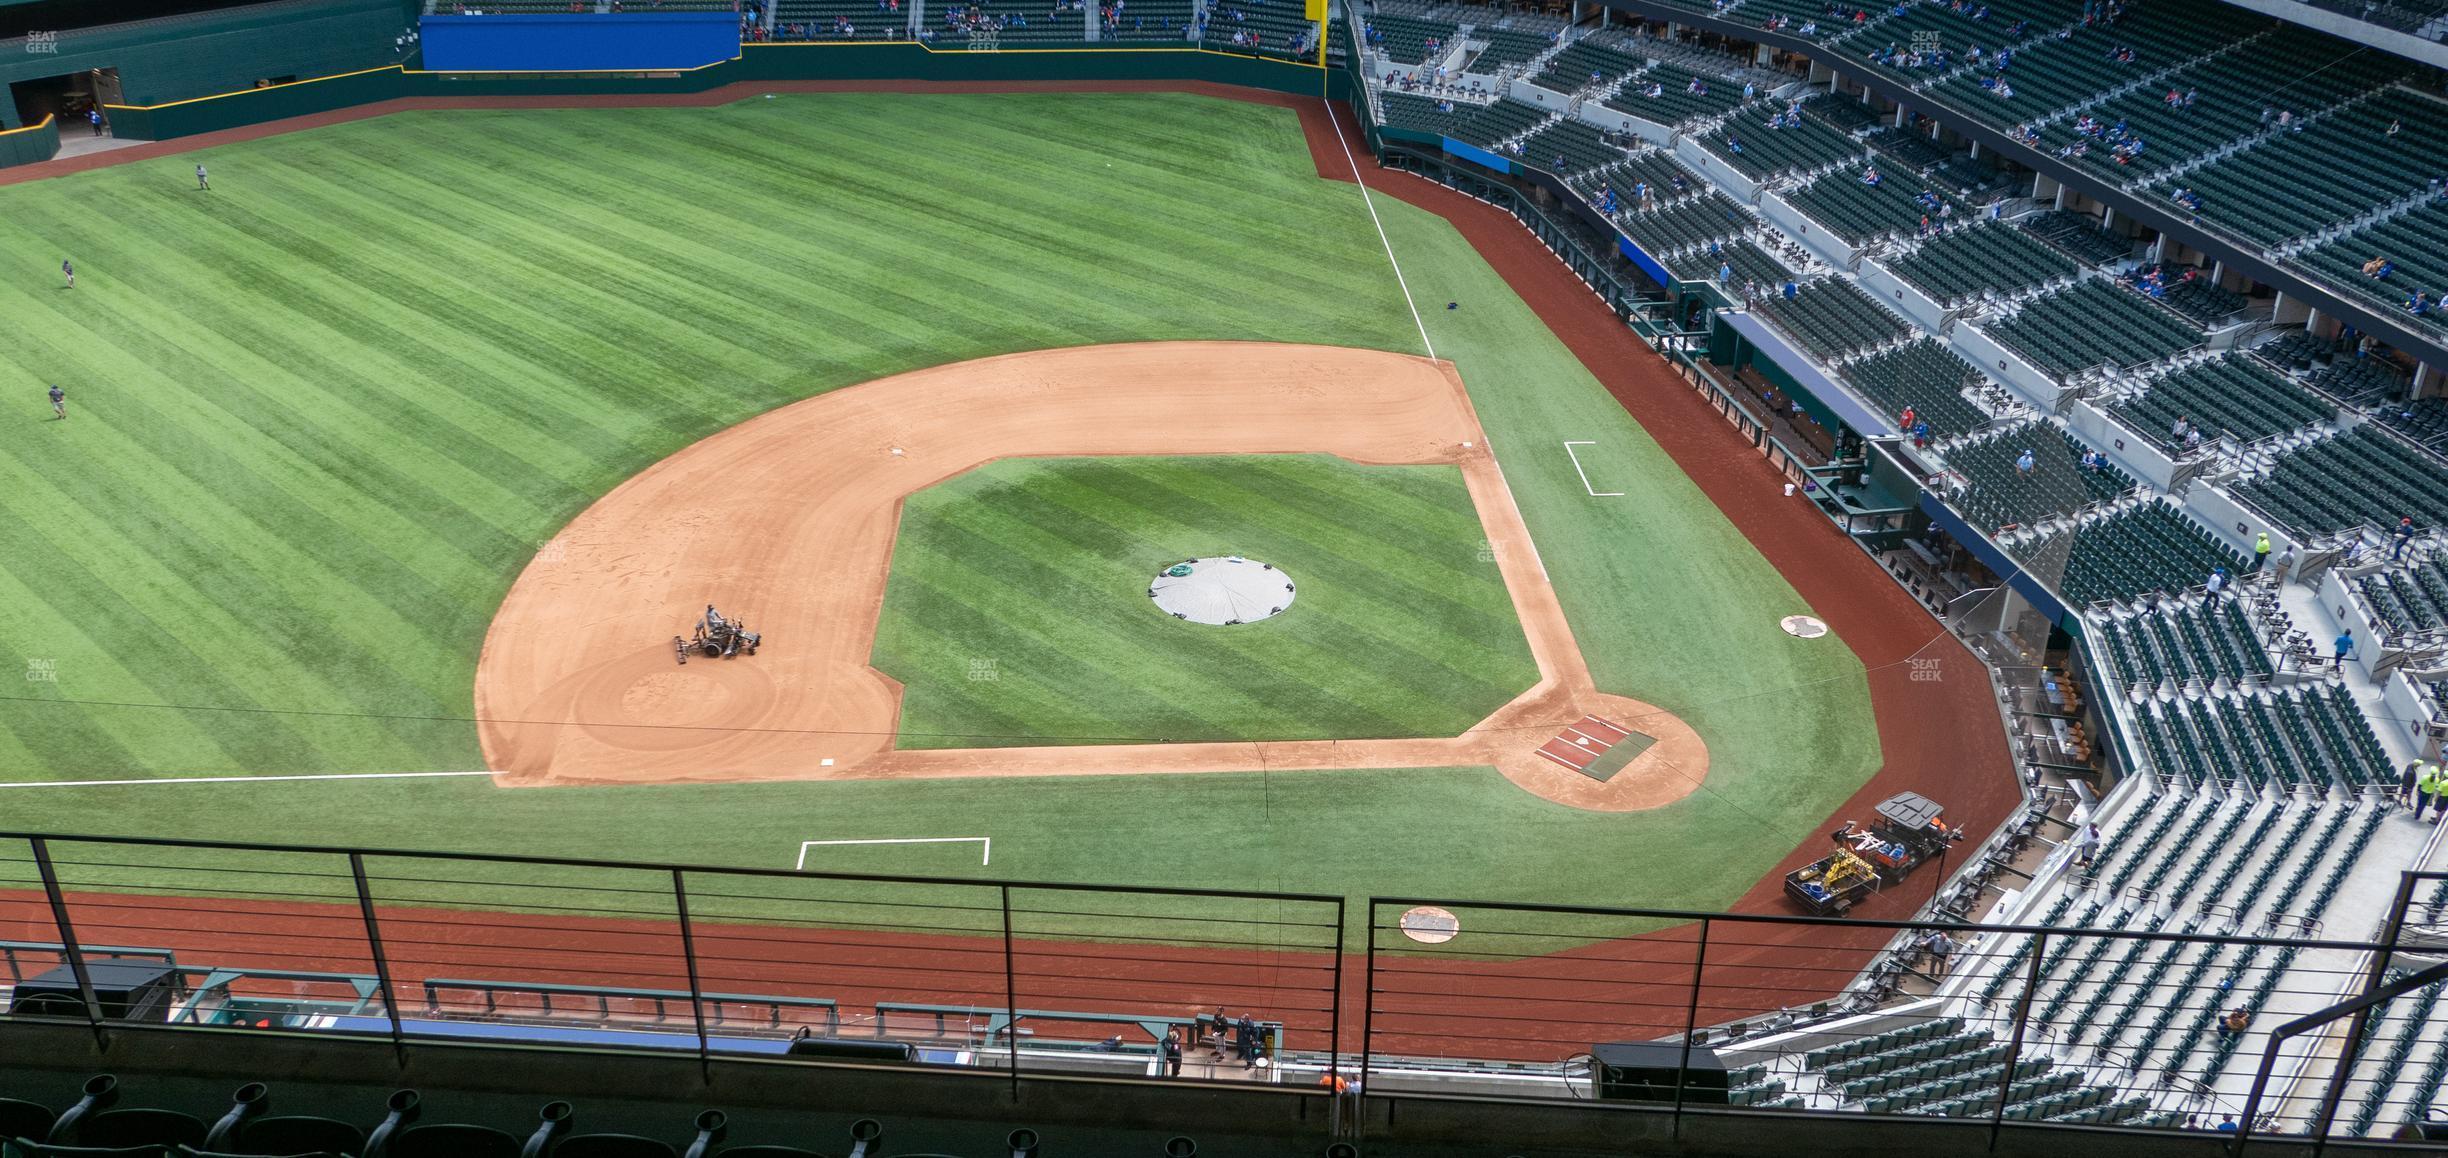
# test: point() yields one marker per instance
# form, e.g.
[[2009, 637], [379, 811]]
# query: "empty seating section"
[[2407, 599], [2065, 74], [2193, 296], [845, 20], [1152, 21], [1999, 492], [2337, 169], [2234, 395], [1486, 125], [1675, 102], [2416, 241], [1751, 264], [1278, 26], [2089, 324], [2358, 382], [2151, 547], [1660, 171], [1759, 152], [2177, 643], [1833, 319], [1909, 149], [1571, 70], [2306, 738], [1507, 48], [1845, 113], [1954, 32], [2424, 420], [2362, 477], [1963, 264], [2077, 234], [1926, 376], [1710, 219], [1420, 114], [1576, 143], [1410, 39], [2229, 96], [1859, 212]]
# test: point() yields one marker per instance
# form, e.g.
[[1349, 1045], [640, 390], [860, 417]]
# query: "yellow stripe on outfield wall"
[[29, 128]]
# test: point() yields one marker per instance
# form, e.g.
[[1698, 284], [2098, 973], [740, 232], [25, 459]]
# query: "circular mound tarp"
[[1222, 591]]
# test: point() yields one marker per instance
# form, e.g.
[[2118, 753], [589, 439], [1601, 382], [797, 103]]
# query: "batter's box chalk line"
[[1585, 479], [985, 845]]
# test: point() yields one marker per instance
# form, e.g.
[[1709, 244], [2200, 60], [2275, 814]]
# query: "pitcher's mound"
[[1224, 591]]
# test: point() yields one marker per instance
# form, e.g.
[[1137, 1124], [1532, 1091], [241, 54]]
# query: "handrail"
[[668, 866]]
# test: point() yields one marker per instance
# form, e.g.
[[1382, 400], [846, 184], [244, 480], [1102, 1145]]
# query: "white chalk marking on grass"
[[1371, 202], [236, 779], [1595, 493], [985, 843]]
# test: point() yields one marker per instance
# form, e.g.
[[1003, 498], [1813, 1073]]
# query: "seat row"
[[2184, 644], [2232, 395], [1833, 318], [1928, 378], [99, 1125], [2361, 477], [2261, 193], [2407, 599], [1849, 206], [2150, 547], [1965, 264], [2078, 235], [2089, 324], [2002, 491]]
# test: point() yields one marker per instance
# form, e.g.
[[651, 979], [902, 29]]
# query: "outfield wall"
[[757, 63], [177, 58], [33, 143]]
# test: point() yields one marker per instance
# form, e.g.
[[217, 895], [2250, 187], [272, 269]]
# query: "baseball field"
[[343, 426]]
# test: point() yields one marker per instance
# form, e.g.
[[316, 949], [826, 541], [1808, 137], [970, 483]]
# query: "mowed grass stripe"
[[381, 362], [221, 579], [1041, 567]]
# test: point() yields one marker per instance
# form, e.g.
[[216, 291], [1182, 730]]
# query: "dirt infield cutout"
[[789, 519]]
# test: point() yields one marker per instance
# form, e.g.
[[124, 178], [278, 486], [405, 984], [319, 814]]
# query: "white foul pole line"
[[1371, 202]]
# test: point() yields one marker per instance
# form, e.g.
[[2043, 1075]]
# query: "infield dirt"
[[788, 521]]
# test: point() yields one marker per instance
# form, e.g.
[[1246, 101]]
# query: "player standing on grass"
[[201, 183], [69, 268], [59, 402]]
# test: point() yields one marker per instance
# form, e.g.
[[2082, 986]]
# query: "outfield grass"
[[325, 412], [1017, 611]]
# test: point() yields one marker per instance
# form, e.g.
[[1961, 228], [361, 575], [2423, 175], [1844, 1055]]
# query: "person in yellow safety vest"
[[2261, 551], [2434, 788]]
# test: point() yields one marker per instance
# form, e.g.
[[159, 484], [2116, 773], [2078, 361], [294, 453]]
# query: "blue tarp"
[[1476, 155], [1820, 392], [579, 42]]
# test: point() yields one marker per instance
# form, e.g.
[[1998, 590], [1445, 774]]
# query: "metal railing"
[[2094, 1025]]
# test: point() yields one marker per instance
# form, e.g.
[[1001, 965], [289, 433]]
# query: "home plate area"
[[1596, 748]]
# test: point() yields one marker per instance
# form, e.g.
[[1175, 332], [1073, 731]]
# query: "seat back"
[[767, 1152], [294, 1134], [25, 1119], [452, 1140], [140, 1127], [28, 1148], [611, 1146]]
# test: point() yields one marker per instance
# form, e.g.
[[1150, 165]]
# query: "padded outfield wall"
[[180, 57], [37, 142], [757, 62]]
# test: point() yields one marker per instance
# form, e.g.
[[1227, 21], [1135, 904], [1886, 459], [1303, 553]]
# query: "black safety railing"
[[2125, 1005]]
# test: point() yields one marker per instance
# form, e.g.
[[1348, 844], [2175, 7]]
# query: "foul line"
[[237, 779], [1585, 482], [1371, 202], [986, 857]]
